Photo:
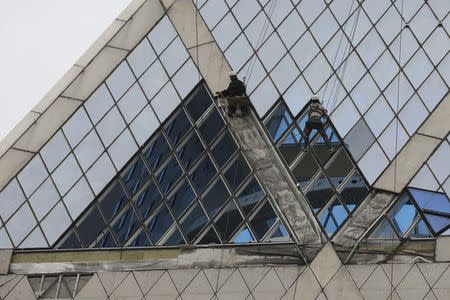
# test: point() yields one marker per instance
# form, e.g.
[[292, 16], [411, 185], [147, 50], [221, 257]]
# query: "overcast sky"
[[39, 41]]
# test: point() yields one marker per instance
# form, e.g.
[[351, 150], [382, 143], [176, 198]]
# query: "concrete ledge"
[[17, 132], [11, 163], [442, 249], [5, 258]]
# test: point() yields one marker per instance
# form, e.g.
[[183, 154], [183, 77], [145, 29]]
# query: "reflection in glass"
[[339, 168], [279, 121], [320, 147], [212, 126], [175, 239], [181, 199], [237, 172], [305, 170], [250, 196], [203, 174], [105, 240], [403, 214], [169, 175], [420, 230], [215, 197], [263, 220], [190, 151], [280, 234], [177, 127], [141, 240], [194, 223], [159, 224], [113, 201], [223, 150], [157, 152], [438, 223], [148, 199], [354, 191], [198, 102], [90, 226], [71, 241], [319, 192], [384, 231], [333, 216], [291, 145], [244, 236], [125, 225], [135, 176], [210, 237], [432, 201], [228, 221]]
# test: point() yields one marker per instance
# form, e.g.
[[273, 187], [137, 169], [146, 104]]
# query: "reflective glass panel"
[[141, 240], [291, 145], [175, 239], [305, 170], [194, 223], [321, 148], [250, 196], [420, 230], [147, 200], [319, 192], [244, 236], [125, 225], [210, 237], [279, 121], [181, 199], [135, 176], [431, 201], [280, 234], [438, 223], [354, 191], [237, 172], [177, 127], [105, 240], [203, 174], [198, 102], [169, 175], [190, 150], [228, 221], [223, 150], [403, 214], [71, 242], [263, 220], [212, 126], [384, 231], [113, 201], [90, 226], [215, 197], [159, 224], [339, 168], [157, 152]]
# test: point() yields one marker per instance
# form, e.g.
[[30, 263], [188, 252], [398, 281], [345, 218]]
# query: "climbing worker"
[[315, 113], [236, 89]]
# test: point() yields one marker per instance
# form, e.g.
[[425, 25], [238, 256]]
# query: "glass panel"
[[237, 172], [159, 224], [215, 197], [319, 192], [359, 139], [194, 223], [90, 226], [333, 216], [71, 241], [263, 220], [279, 121], [438, 223], [339, 168], [135, 176], [321, 148], [250, 196], [181, 199], [141, 240], [224, 149], [244, 236], [66, 174], [125, 225], [384, 231], [403, 214], [105, 240], [431, 201], [120, 80], [169, 175], [175, 239], [190, 151], [212, 126], [147, 201], [228, 221], [305, 170], [203, 174], [354, 191], [210, 237], [280, 234], [177, 127], [157, 152], [420, 231], [198, 102], [291, 146], [112, 201]]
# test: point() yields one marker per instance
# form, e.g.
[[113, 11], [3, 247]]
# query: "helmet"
[[315, 98], [232, 73]]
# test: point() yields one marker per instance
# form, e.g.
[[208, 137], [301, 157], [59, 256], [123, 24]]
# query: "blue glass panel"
[[280, 233], [147, 201], [228, 221], [181, 199], [263, 220], [141, 240], [333, 216], [190, 151], [175, 239], [159, 224], [431, 200], [301, 122], [169, 175], [215, 198], [212, 126], [237, 172], [125, 225], [198, 102], [438, 223], [203, 174], [291, 146], [403, 214], [420, 230], [210, 237], [320, 192], [250, 196], [135, 176], [90, 226], [354, 191], [244, 236], [383, 231], [113, 201], [279, 121], [194, 223], [224, 149], [178, 127], [105, 240], [326, 219], [156, 152]]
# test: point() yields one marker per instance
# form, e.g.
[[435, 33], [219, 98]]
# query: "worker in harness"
[[236, 89], [315, 113]]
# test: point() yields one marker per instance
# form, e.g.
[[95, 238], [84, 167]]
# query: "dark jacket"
[[235, 88]]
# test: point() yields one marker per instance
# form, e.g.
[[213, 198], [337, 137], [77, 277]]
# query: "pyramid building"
[[130, 181]]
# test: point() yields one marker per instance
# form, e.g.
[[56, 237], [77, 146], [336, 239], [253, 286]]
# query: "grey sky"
[[40, 40]]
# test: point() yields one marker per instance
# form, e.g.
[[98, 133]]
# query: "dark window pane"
[[105, 240], [244, 236], [224, 149], [212, 126], [403, 214], [141, 240], [291, 145], [175, 239], [71, 241], [135, 176], [169, 175], [237, 172], [157, 152], [194, 223], [203, 174], [113, 201], [250, 196], [354, 191], [263, 220], [437, 222], [228, 221], [159, 224], [321, 148], [280, 234], [339, 168], [198, 102], [215, 197], [181, 199], [305, 170], [125, 225], [279, 121], [177, 127], [431, 200], [209, 238], [90, 226], [190, 151], [147, 201], [319, 193]]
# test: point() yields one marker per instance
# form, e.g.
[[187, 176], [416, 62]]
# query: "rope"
[[196, 40]]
